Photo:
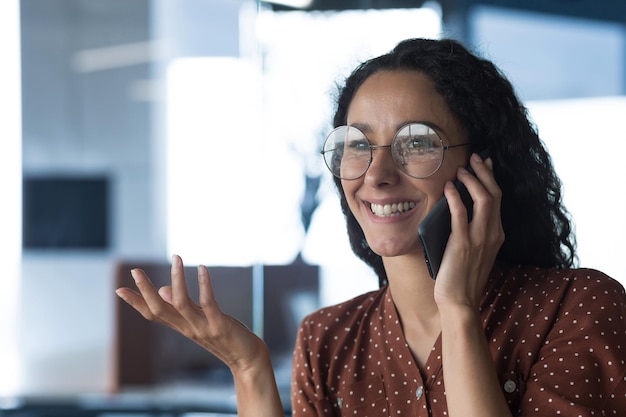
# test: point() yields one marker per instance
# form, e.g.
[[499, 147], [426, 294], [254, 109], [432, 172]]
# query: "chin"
[[391, 249]]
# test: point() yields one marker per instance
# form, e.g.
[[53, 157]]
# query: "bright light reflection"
[[239, 147], [586, 140], [10, 187], [227, 199], [300, 74]]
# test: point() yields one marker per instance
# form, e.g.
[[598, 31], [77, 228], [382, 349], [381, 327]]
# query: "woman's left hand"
[[472, 247]]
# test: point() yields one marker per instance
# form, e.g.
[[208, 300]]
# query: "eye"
[[419, 143], [359, 145], [416, 140]]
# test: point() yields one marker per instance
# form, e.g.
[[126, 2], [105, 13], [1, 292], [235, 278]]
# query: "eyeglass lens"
[[416, 149]]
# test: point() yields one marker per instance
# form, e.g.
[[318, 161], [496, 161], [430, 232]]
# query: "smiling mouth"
[[386, 210]]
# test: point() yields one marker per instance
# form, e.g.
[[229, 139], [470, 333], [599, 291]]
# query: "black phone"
[[435, 229]]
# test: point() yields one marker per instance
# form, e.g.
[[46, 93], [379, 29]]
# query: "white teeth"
[[391, 209]]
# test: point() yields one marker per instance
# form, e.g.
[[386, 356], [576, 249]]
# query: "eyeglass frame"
[[371, 147]]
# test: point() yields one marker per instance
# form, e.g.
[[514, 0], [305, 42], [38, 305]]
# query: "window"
[[242, 143]]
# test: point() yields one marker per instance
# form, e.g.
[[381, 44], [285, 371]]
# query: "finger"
[[134, 300], [484, 172], [477, 231], [482, 188], [489, 163], [223, 332], [458, 212], [180, 295], [179, 284], [156, 308], [217, 324], [145, 287], [216, 318], [487, 197], [166, 293], [208, 303]]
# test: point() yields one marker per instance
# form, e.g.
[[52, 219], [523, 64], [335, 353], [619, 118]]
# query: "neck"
[[412, 290]]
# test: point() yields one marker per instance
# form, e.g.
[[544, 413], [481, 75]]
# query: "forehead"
[[389, 99]]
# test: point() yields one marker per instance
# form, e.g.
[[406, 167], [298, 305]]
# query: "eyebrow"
[[365, 127]]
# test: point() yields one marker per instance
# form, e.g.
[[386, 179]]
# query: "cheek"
[[349, 190], [434, 189], [446, 173]]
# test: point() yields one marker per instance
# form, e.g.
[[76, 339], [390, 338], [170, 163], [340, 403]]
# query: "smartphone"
[[435, 229]]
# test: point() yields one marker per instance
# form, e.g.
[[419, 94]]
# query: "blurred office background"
[[134, 129]]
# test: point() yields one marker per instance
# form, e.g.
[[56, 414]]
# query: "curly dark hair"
[[537, 226]]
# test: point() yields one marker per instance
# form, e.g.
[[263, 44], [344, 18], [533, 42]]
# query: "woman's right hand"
[[204, 323], [242, 351]]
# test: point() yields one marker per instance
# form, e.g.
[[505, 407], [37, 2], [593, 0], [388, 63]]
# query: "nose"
[[382, 170]]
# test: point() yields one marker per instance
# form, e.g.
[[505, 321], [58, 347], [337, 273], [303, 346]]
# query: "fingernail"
[[176, 260], [477, 157], [462, 170], [120, 294], [133, 273]]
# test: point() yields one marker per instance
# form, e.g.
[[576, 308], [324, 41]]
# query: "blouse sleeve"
[[580, 370], [304, 396]]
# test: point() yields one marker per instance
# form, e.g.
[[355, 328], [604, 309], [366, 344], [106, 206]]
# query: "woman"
[[506, 329]]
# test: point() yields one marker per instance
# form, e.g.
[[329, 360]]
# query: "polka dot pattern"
[[557, 337]]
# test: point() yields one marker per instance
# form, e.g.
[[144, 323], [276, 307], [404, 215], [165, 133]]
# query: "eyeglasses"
[[416, 149]]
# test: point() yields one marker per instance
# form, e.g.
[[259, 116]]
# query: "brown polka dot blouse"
[[557, 338]]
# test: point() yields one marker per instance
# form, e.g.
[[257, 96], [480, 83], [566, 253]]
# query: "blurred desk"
[[180, 400], [139, 403]]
